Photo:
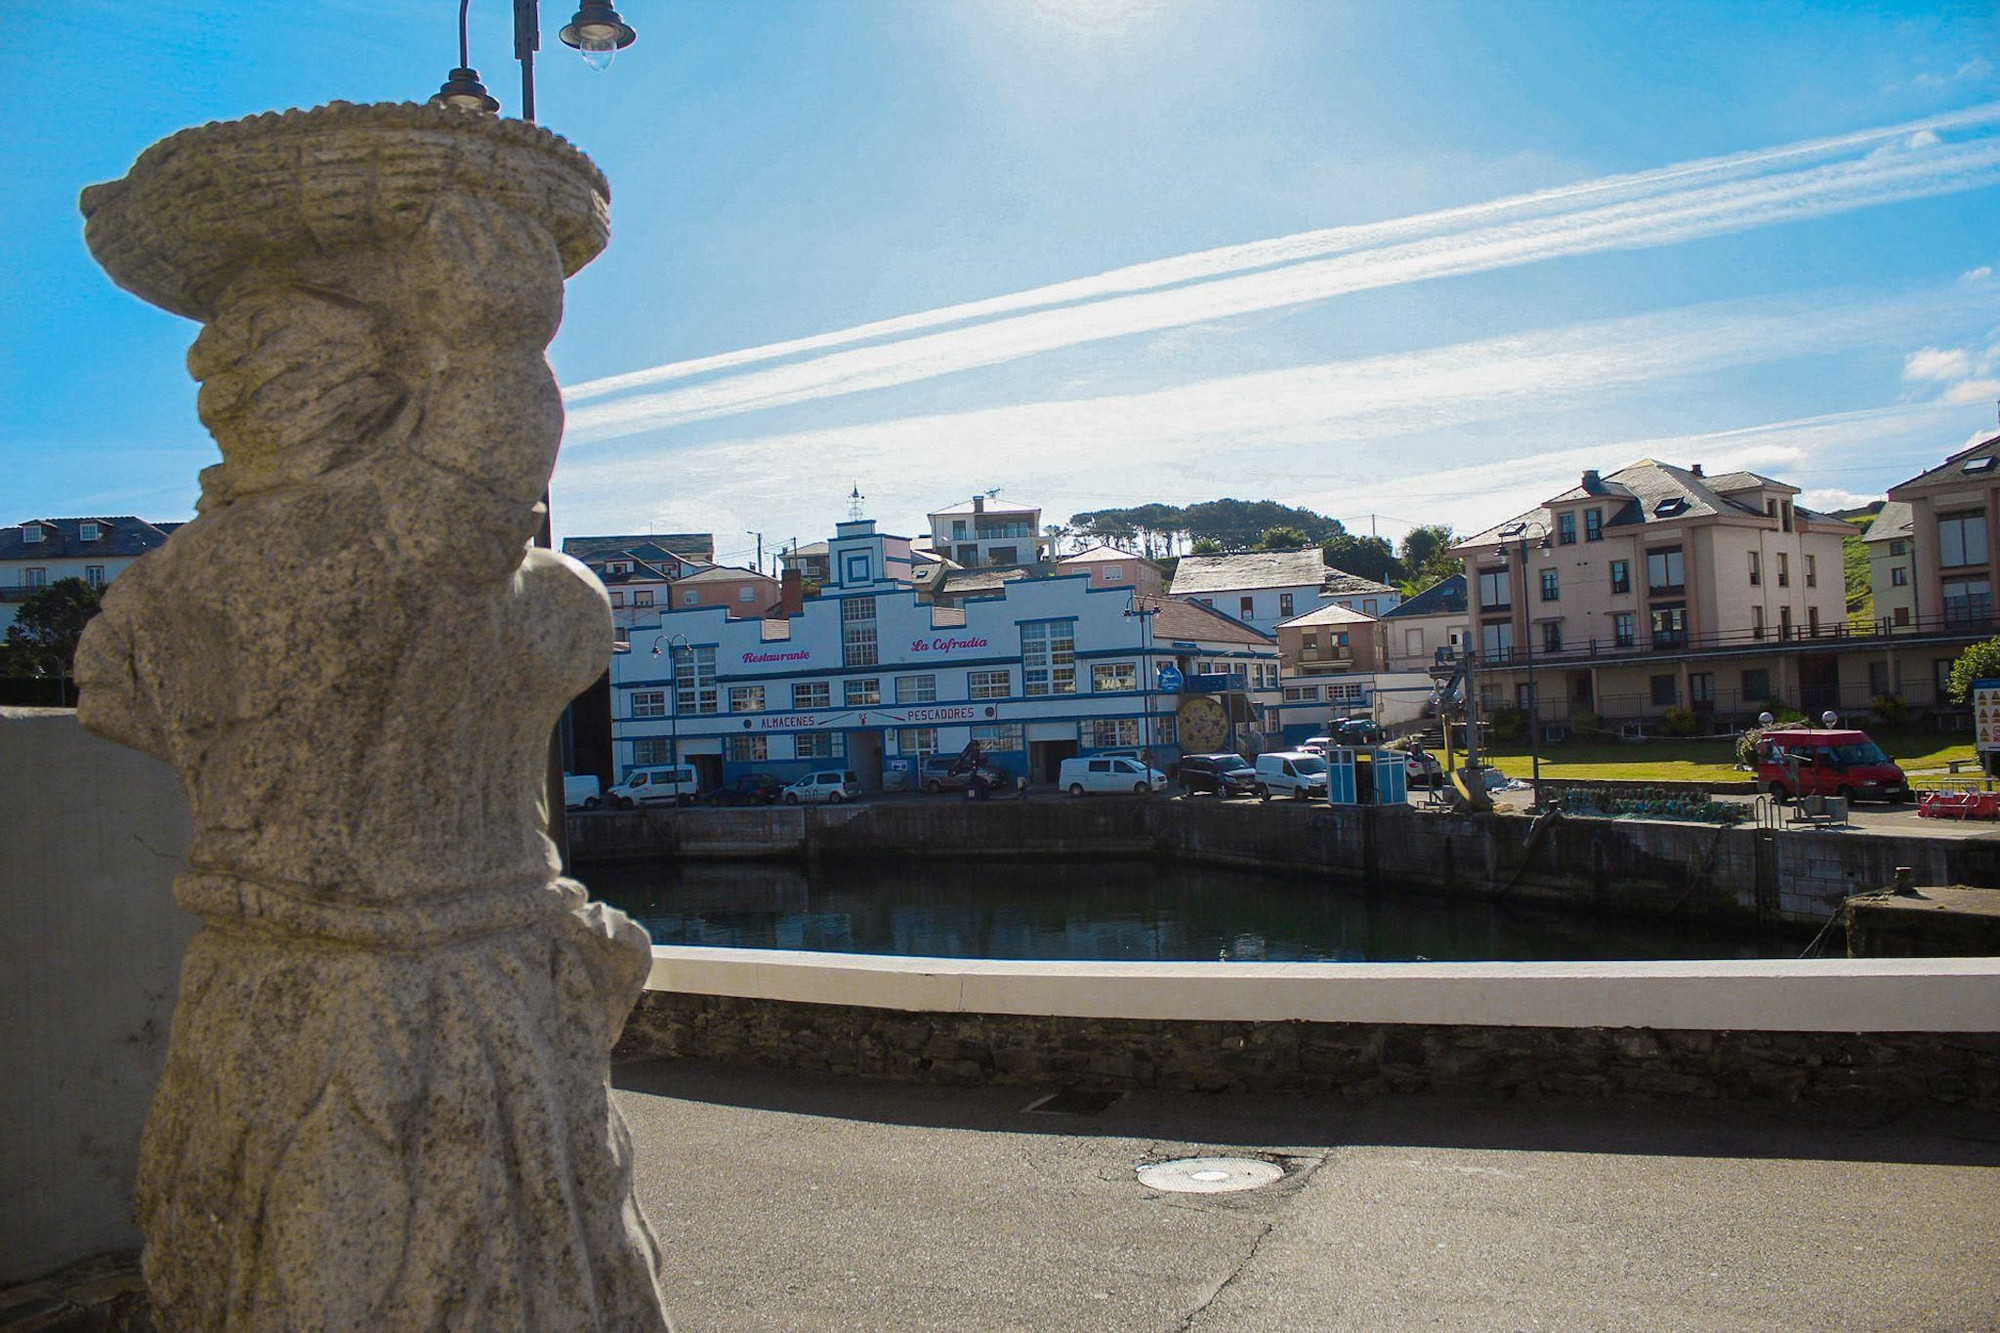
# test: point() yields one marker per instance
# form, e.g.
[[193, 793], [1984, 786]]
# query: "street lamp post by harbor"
[[598, 34], [1145, 615], [673, 692], [1528, 653]]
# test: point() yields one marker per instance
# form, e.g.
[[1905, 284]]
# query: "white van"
[[580, 792], [644, 786], [832, 786], [1293, 773], [1099, 774]]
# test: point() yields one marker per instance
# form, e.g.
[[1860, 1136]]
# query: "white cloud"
[[1973, 391], [1922, 139], [1976, 68], [1828, 499], [1984, 273], [1661, 207], [1936, 364]]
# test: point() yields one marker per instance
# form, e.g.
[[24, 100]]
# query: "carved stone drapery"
[[385, 1102]]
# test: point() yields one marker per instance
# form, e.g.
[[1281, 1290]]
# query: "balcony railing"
[[1972, 620]]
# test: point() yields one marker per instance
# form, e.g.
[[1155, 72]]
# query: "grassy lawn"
[[1696, 760]]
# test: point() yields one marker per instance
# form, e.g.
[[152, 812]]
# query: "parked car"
[[1222, 774], [1803, 762], [1292, 773], [937, 774], [1099, 774], [1357, 731], [581, 792], [1422, 770], [750, 789], [645, 786], [1318, 745], [832, 786]]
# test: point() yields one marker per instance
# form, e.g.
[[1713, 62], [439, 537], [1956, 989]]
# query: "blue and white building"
[[871, 676]]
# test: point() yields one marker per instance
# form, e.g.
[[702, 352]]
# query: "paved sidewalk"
[[786, 1202]]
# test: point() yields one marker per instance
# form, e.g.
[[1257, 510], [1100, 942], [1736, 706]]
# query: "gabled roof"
[[989, 507], [1952, 470], [1191, 621], [1099, 553], [640, 572], [1333, 613], [118, 535], [1340, 583], [1251, 569], [1893, 523], [1446, 597], [1728, 483], [1647, 492], [698, 546], [726, 574]]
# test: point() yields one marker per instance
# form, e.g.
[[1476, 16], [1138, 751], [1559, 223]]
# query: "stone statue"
[[385, 1103]]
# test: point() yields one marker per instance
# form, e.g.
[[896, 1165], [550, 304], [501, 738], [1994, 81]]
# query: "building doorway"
[[707, 770], [1045, 759], [1819, 683], [864, 756]]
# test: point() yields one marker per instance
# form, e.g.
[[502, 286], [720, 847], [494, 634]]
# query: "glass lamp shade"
[[463, 89], [597, 33]]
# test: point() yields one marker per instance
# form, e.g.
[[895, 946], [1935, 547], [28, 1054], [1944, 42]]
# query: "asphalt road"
[[785, 1202]]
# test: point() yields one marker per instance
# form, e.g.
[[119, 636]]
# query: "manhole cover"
[[1209, 1175]]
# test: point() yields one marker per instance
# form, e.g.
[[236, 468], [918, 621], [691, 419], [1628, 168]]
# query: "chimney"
[[1695, 468], [1590, 480], [791, 594], [978, 504]]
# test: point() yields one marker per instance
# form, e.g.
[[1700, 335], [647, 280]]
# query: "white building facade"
[[39, 552]]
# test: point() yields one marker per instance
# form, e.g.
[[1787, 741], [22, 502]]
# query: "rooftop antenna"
[[854, 499]]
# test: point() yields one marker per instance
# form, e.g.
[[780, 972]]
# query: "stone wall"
[[1932, 923], [91, 837], [1357, 1060]]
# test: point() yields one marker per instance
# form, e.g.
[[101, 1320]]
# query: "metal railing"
[[1973, 620]]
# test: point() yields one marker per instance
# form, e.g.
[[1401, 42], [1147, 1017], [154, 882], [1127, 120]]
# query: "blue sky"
[[1420, 262]]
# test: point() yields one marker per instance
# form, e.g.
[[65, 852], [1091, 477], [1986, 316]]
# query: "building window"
[[1784, 570], [1496, 641], [1756, 569], [1285, 605], [917, 740], [988, 684], [1566, 529], [617, 599], [1756, 622], [1670, 627], [1784, 622], [811, 694], [1812, 621], [1899, 577], [1267, 675], [1962, 540], [643, 597], [746, 698], [862, 692], [1756, 685], [749, 749], [35, 577], [819, 745], [746, 593], [1621, 576], [1665, 571], [1878, 678], [1114, 573], [1701, 691], [857, 569], [1666, 692], [1967, 601], [1550, 591], [690, 596], [1812, 571], [1552, 636], [1593, 525], [1368, 606], [1114, 676], [1048, 657], [857, 632], [1105, 733], [86, 531], [94, 576], [916, 689], [1896, 548], [31, 533], [1622, 629], [1295, 694], [649, 703], [694, 680], [1248, 607], [1000, 736], [1494, 591], [647, 750]]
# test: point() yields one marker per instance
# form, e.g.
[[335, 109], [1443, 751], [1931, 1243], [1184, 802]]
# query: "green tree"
[[48, 625], [1370, 557], [1979, 662], [1282, 539], [1205, 546], [1427, 557]]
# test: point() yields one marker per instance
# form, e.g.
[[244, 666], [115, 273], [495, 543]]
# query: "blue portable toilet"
[[1340, 788], [1392, 777]]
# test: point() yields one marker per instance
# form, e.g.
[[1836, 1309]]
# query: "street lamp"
[[1528, 651], [1145, 615], [595, 30], [673, 692]]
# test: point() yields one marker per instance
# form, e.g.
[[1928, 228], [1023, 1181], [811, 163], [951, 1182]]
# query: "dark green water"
[[1122, 909]]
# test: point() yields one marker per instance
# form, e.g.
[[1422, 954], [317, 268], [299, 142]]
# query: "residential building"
[[987, 531], [1953, 562], [637, 571], [742, 593], [40, 551], [677, 552], [1110, 567], [1262, 588], [1331, 640], [871, 675], [1657, 587], [809, 560], [1429, 629], [1892, 567]]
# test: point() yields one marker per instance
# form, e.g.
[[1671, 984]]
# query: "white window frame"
[[1109, 677], [989, 684], [649, 703], [916, 689], [746, 699], [809, 694]]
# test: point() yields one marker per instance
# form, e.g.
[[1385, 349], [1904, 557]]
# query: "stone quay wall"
[[1629, 867], [1356, 1060]]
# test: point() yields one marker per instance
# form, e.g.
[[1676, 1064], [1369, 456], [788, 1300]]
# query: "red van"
[[1828, 763]]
